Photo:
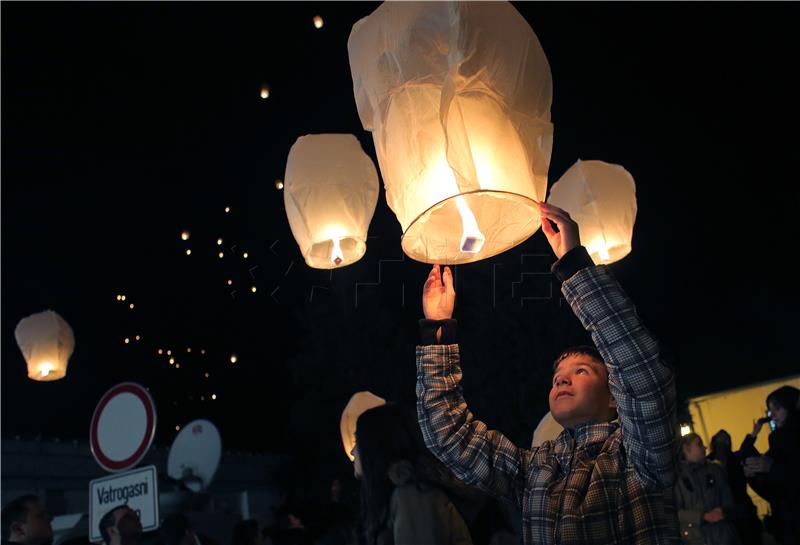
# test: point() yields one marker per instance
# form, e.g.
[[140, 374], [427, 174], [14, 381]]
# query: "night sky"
[[125, 123]]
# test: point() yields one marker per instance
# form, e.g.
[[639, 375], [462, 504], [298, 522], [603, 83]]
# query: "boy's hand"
[[567, 236], [438, 295]]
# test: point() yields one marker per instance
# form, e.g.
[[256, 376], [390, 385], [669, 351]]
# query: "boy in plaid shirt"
[[607, 478]]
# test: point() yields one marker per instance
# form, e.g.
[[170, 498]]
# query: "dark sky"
[[124, 123]]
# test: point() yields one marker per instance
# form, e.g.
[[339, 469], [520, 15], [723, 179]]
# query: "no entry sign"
[[123, 427]]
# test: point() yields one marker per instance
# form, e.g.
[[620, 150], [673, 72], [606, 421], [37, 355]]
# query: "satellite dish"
[[547, 430], [194, 455], [360, 402]]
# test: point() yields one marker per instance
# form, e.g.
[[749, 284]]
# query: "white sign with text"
[[138, 489]]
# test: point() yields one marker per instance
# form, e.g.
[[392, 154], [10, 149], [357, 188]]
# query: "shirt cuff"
[[427, 331], [571, 262]]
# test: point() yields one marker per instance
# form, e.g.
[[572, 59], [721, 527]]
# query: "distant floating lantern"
[[331, 189], [460, 121], [130, 306], [265, 91], [221, 255], [245, 255], [47, 342], [278, 184], [230, 282], [213, 396], [233, 358], [169, 352], [126, 340], [177, 428], [185, 235], [171, 361], [119, 298], [188, 251], [253, 289], [122, 297], [177, 366], [227, 209], [358, 404], [207, 375], [219, 242], [318, 22], [160, 351], [601, 198], [138, 337], [203, 351]]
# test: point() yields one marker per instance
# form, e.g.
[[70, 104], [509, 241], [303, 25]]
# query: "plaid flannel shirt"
[[607, 483]]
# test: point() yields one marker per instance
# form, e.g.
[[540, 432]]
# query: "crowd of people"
[[617, 474]]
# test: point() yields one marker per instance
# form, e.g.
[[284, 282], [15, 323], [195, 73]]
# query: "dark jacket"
[[781, 486], [699, 489]]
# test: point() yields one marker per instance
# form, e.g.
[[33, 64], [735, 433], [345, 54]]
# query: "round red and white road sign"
[[123, 427]]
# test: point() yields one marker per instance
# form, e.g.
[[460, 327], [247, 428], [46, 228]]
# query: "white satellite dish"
[[194, 456]]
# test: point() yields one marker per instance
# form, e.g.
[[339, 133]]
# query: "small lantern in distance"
[[318, 22], [265, 92], [331, 189], [46, 342]]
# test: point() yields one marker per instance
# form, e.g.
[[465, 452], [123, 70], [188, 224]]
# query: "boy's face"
[[580, 392]]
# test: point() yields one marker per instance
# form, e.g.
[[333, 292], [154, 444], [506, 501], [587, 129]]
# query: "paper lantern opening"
[[457, 96]]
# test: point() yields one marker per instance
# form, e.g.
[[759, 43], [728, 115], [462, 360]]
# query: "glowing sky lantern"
[[601, 198], [46, 342], [457, 96], [318, 22], [264, 91], [330, 193], [185, 235], [358, 404]]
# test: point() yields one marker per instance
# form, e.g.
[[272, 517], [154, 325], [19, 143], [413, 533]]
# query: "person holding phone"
[[775, 476]]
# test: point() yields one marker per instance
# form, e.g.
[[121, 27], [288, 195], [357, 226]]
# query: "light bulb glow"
[[472, 239], [686, 429], [599, 247]]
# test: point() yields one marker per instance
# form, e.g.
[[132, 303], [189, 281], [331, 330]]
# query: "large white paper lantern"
[[358, 404], [457, 96], [547, 430], [46, 342], [330, 192], [601, 198]]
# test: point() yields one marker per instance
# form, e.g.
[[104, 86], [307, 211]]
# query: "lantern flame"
[[599, 247], [45, 368], [336, 252], [472, 239]]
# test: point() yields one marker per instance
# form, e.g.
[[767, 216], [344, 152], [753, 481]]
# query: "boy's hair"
[[583, 350], [16, 511]]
